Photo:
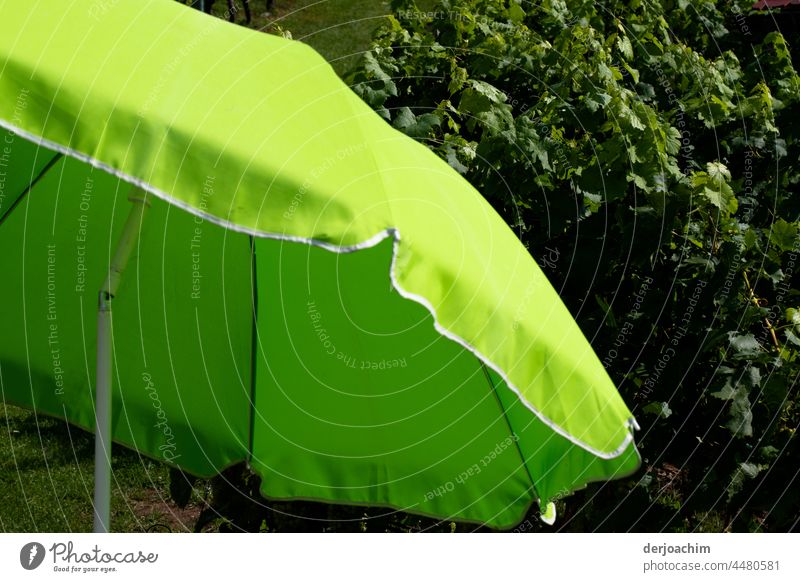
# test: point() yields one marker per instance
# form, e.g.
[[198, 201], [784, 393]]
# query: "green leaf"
[[722, 199], [793, 316], [491, 92], [539, 151], [486, 104], [718, 171], [605, 73], [640, 182], [624, 46], [750, 239], [515, 13], [451, 155], [750, 470], [740, 415], [375, 71], [744, 345], [672, 141], [776, 276], [769, 452], [660, 409], [457, 80], [791, 337], [416, 127], [634, 73], [727, 392], [404, 118], [753, 377], [783, 234], [629, 115], [610, 320], [743, 471]]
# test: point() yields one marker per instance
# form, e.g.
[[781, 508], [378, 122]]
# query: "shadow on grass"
[[47, 480]]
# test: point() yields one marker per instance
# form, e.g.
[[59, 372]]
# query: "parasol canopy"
[[309, 290]]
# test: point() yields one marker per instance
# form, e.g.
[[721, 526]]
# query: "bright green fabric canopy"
[[313, 292]]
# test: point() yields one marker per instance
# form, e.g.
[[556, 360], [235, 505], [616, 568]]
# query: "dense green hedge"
[[647, 154]]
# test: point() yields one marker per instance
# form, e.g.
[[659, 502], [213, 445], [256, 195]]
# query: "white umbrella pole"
[[102, 440]]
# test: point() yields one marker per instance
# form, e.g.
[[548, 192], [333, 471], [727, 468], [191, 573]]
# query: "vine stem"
[[754, 299]]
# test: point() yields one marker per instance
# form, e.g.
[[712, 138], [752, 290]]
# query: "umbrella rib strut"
[[508, 424], [102, 440], [254, 346], [30, 187], [548, 512]]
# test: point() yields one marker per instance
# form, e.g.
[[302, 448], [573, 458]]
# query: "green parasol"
[[307, 289]]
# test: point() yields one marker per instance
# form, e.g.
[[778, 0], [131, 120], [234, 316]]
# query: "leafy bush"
[[647, 155]]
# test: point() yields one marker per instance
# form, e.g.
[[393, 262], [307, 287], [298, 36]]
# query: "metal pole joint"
[[102, 442]]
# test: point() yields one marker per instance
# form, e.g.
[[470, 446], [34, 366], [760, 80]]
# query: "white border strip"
[[370, 242]]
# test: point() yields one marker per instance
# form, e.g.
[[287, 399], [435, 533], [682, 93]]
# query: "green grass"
[[340, 30], [47, 480]]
